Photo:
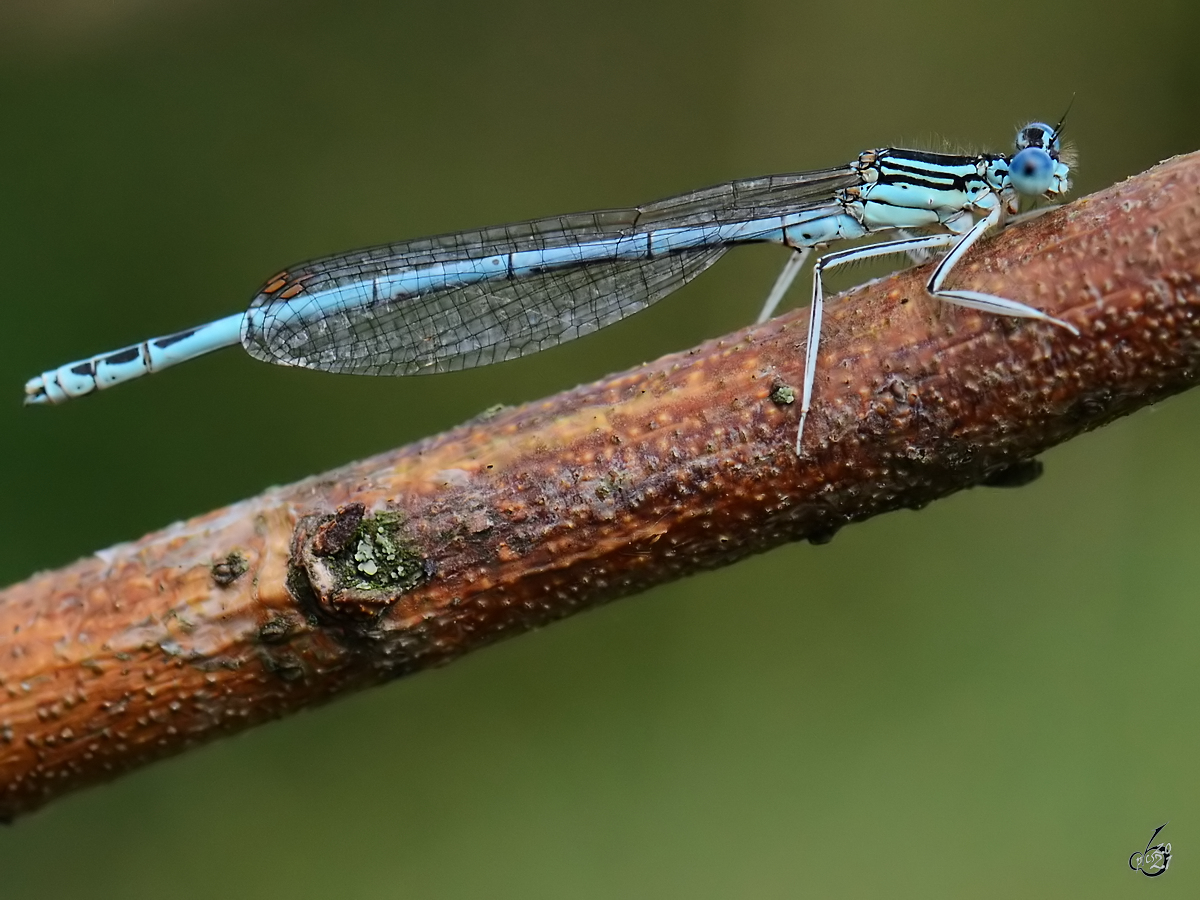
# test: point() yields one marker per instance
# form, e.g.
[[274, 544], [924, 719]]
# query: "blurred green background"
[[994, 697]]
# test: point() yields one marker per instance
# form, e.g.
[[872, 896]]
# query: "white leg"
[[815, 311], [970, 299], [973, 299], [790, 270], [831, 261], [919, 256], [1029, 215]]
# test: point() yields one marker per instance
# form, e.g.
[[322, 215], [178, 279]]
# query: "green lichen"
[[379, 557], [783, 394]]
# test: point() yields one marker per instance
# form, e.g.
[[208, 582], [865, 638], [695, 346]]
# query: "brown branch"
[[417, 556]]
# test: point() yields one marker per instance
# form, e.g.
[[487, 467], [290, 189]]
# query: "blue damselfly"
[[470, 298]]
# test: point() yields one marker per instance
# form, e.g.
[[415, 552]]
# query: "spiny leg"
[[790, 270], [974, 299], [816, 310], [919, 256], [1028, 216]]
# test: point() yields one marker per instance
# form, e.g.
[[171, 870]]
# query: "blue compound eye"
[[1031, 171], [1038, 134]]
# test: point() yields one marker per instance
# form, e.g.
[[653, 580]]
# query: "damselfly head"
[[1037, 169]]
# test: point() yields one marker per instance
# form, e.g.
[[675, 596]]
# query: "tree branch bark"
[[512, 520]]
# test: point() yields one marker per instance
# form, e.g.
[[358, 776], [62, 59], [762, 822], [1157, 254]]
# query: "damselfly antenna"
[[1059, 127]]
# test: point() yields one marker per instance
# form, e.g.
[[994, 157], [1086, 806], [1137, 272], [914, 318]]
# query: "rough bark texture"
[[513, 520]]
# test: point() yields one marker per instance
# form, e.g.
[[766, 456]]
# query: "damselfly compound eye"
[[1040, 135], [1031, 171]]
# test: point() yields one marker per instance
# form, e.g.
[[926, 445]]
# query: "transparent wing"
[[459, 326], [477, 324], [749, 198]]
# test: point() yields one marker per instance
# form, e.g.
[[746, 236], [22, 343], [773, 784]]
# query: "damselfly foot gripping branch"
[[475, 297]]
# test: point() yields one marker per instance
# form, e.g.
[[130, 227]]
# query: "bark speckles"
[[228, 570]]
